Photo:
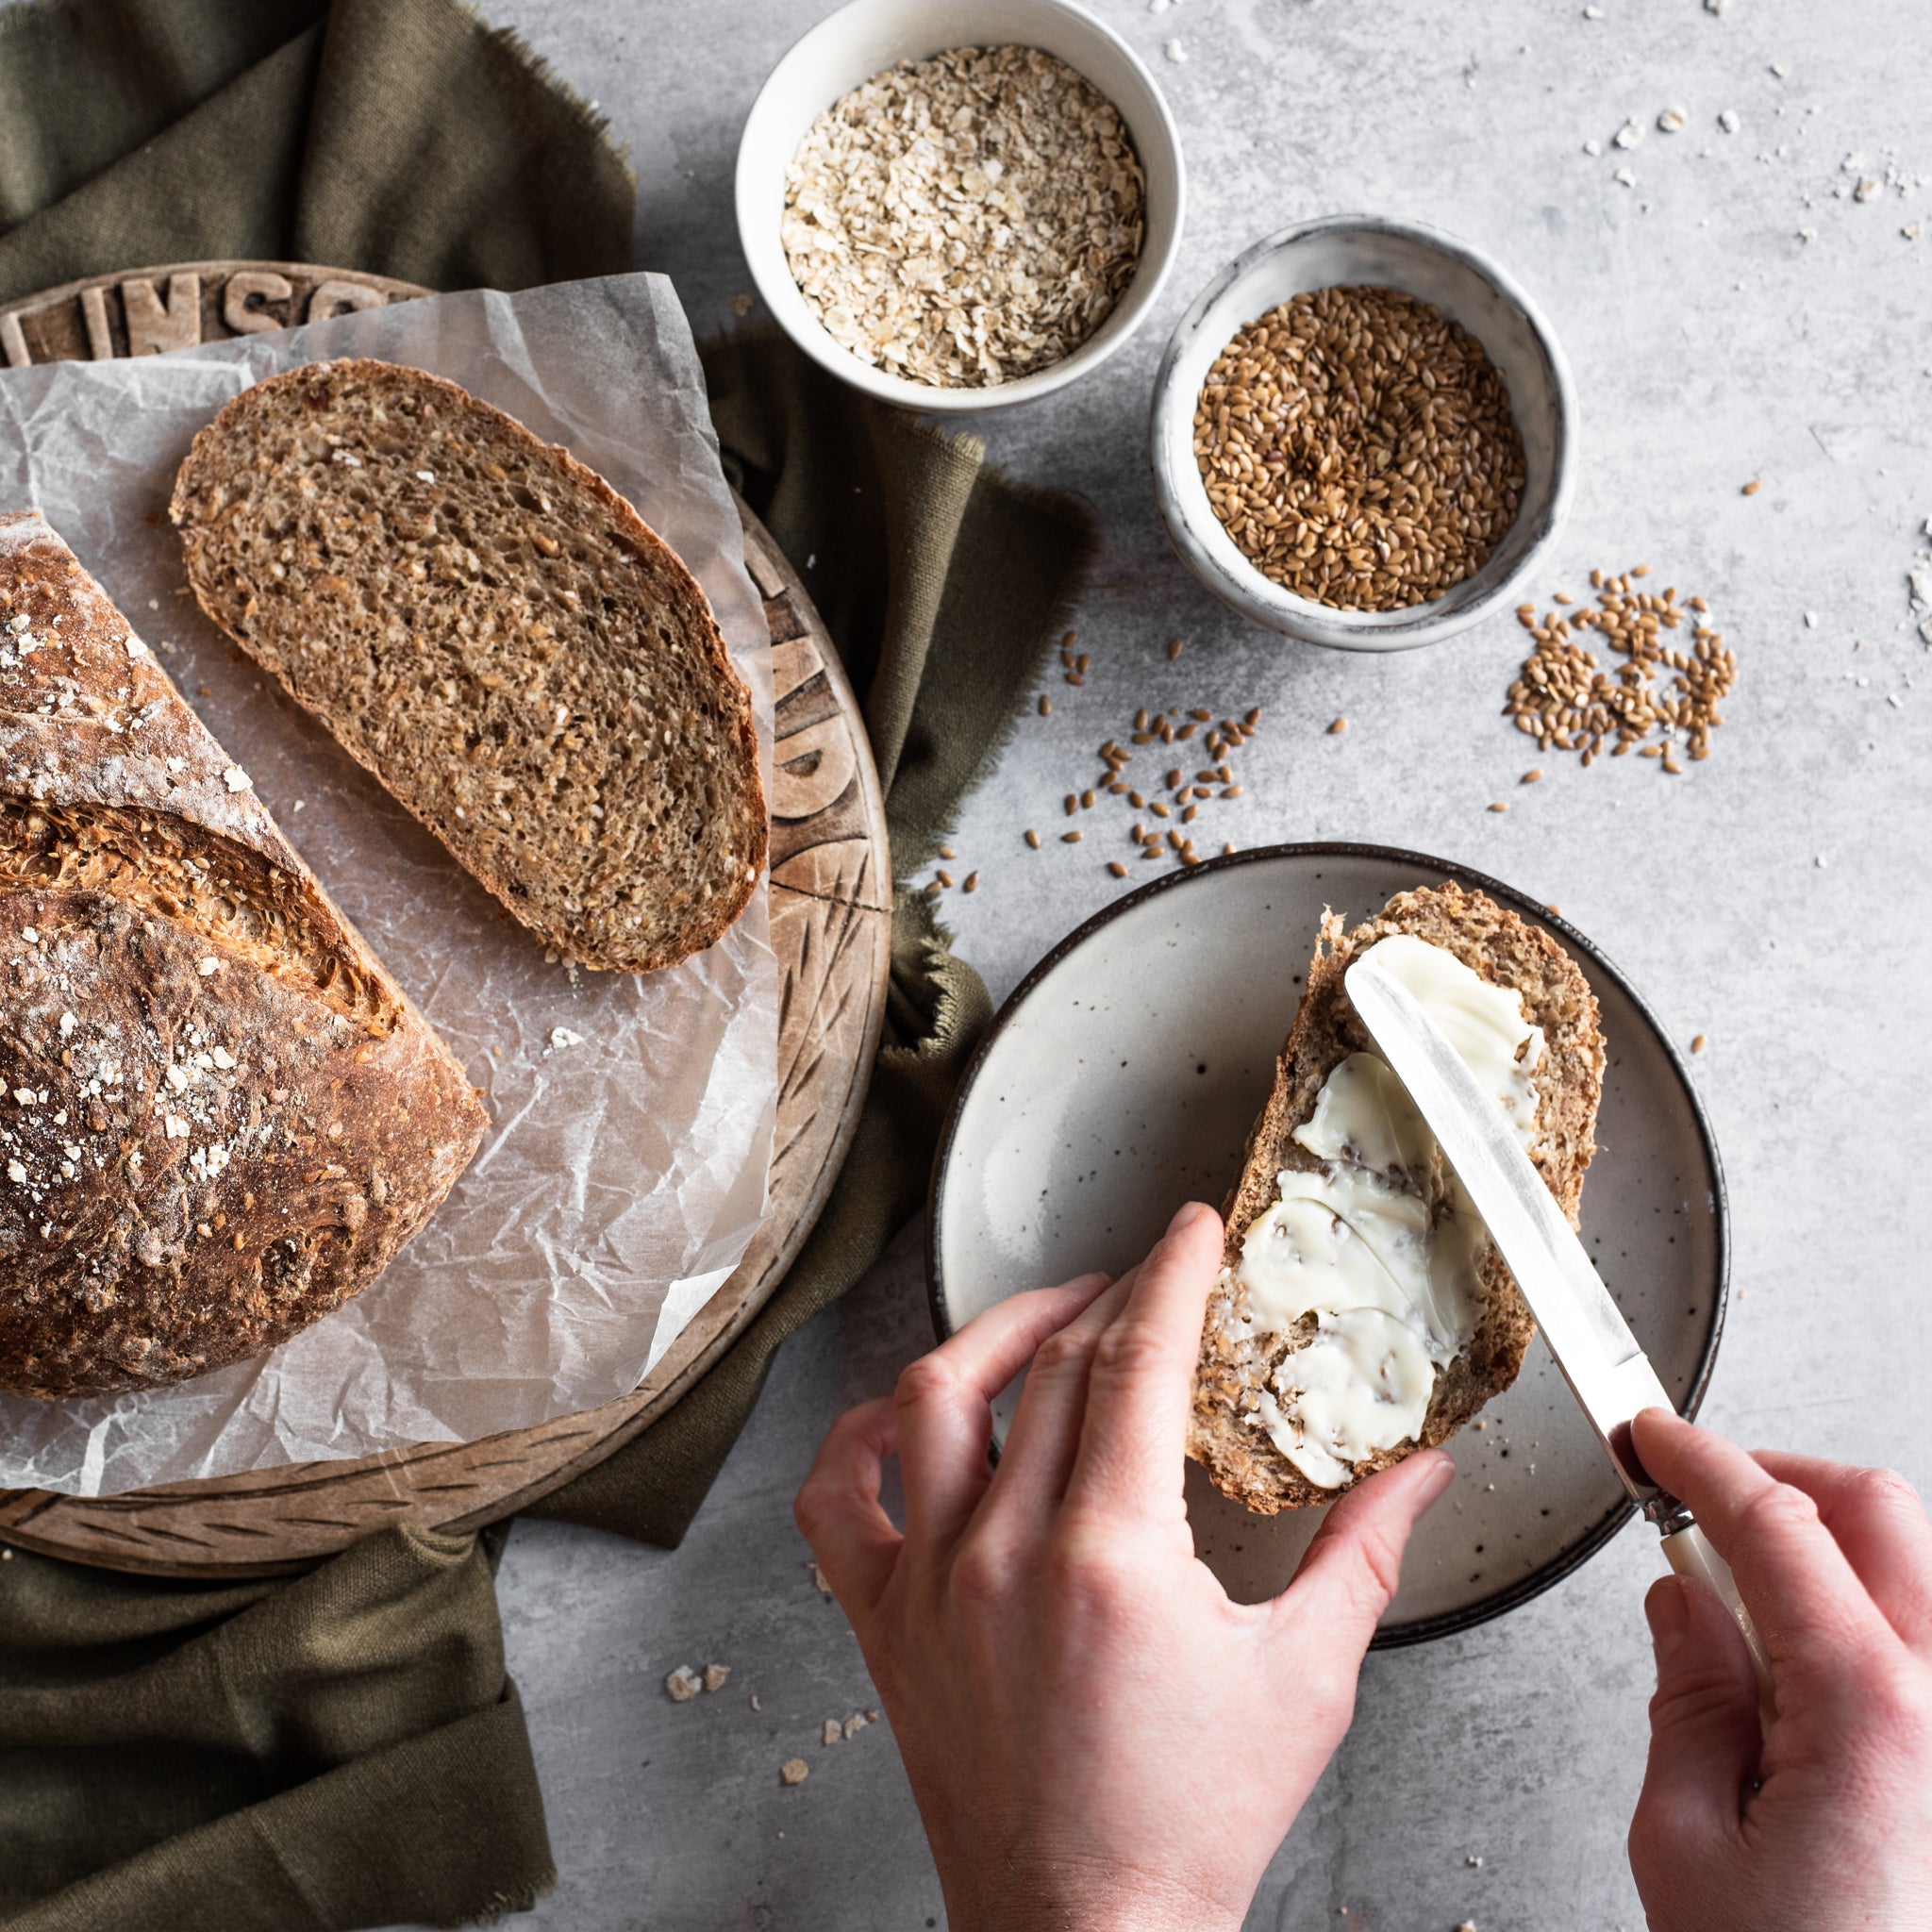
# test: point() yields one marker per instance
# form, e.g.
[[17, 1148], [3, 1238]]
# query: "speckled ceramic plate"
[[1122, 1078]]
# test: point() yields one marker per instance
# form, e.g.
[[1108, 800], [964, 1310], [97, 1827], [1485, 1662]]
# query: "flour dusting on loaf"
[[220, 1118]]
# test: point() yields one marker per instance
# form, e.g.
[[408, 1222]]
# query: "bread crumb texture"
[[1234, 1368], [490, 628], [220, 1118]]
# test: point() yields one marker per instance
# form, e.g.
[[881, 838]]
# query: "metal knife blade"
[[1609, 1374]]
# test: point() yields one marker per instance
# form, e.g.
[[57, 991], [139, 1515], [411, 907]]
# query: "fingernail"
[[1185, 1217], [1442, 1473], [1669, 1616]]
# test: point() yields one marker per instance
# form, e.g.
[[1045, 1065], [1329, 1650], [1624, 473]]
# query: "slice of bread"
[[1239, 1456], [495, 632]]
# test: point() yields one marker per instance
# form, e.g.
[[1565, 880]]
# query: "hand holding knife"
[[1586, 1333]]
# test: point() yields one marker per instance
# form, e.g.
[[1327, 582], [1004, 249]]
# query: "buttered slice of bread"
[[1246, 1378], [495, 632]]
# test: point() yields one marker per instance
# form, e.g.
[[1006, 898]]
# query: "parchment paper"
[[625, 1170]]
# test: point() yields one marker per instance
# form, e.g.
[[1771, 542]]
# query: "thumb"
[[1705, 1737], [1349, 1572]]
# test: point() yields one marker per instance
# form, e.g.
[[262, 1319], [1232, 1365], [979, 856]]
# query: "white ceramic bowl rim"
[[758, 193], [1257, 596], [1507, 1596]]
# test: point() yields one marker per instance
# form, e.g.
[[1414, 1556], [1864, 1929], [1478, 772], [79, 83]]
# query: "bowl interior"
[[1122, 1078], [1435, 269], [859, 41]]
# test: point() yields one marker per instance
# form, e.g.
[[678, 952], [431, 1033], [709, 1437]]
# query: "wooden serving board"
[[831, 896]]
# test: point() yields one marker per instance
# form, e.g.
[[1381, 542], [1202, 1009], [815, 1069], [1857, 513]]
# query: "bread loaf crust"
[[1494, 942], [220, 1118], [496, 634]]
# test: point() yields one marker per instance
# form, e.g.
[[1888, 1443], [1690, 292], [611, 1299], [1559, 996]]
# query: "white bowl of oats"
[[1363, 433], [958, 205]]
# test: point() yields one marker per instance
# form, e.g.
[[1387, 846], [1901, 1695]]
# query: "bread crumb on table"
[[831, 1733], [716, 1676], [794, 1770], [683, 1684]]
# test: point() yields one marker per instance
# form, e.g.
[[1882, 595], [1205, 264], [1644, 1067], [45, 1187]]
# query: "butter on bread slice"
[[1236, 1453]]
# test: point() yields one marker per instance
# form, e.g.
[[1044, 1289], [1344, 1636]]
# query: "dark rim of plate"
[[1576, 1554]]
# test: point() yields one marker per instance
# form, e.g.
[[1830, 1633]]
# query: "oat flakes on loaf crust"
[[496, 634], [220, 1118], [1501, 947]]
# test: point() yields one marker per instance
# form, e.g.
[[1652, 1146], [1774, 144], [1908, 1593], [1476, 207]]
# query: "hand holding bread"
[[1063, 1677]]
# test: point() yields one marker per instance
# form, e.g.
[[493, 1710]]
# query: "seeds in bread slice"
[[493, 631], [1235, 1367]]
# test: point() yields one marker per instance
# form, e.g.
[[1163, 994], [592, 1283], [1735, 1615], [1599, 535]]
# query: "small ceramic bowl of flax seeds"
[[958, 205], [1362, 435]]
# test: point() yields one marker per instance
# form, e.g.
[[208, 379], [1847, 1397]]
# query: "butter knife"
[[1609, 1373]]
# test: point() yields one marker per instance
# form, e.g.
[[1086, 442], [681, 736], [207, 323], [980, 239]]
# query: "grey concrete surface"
[[1778, 898]]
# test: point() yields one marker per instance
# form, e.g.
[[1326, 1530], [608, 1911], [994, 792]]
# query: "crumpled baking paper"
[[625, 1168]]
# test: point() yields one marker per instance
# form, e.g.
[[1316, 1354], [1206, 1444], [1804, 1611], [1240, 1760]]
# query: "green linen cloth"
[[345, 1749]]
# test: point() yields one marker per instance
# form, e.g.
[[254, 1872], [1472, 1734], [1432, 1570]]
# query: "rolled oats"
[[966, 220]]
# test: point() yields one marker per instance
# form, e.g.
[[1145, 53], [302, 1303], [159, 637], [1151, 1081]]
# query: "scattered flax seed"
[[1174, 649], [967, 219], [1532, 776], [1045, 705], [1201, 717], [1698, 1045], [1086, 801], [1072, 803], [1072, 838], [1033, 838], [945, 879], [1228, 848], [1499, 806], [1357, 446], [972, 884], [1562, 598], [1118, 869], [1253, 718], [1074, 677], [1566, 702], [947, 852], [1336, 729], [1071, 637], [1751, 488]]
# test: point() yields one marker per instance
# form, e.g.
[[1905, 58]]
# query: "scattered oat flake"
[[1625, 177], [794, 1770], [1730, 120], [1629, 134], [1673, 121], [1175, 52], [683, 1684]]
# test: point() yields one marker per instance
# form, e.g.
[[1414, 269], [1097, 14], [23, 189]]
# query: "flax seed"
[[1699, 1043], [1074, 677], [945, 879], [1336, 729], [947, 852], [1118, 869], [1531, 777], [972, 884], [1231, 792], [1045, 705], [1158, 810], [1135, 799], [1174, 649], [1187, 816], [1073, 805], [1253, 718], [1086, 800], [1751, 488], [1499, 806], [1072, 838], [1033, 838]]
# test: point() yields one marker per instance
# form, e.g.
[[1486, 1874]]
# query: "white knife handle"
[[1689, 1554]]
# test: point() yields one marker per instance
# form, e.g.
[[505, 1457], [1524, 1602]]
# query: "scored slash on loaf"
[[221, 1117], [492, 629]]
